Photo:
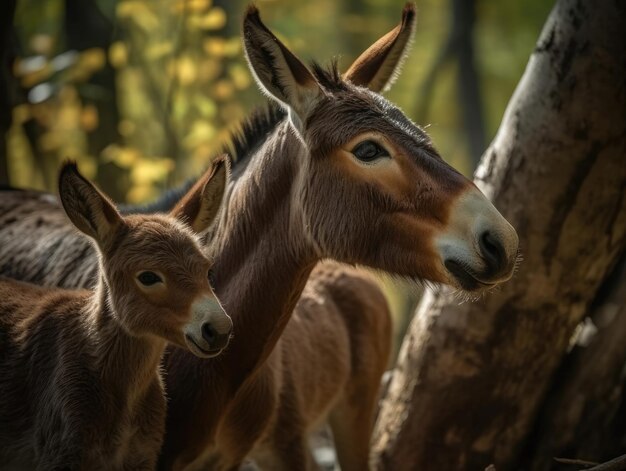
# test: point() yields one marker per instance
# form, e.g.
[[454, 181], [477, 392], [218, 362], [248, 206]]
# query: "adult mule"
[[79, 370], [343, 174]]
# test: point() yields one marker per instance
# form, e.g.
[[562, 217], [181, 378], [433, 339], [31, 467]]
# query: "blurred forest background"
[[143, 92]]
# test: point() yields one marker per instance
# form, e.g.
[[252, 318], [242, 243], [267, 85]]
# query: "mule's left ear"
[[276, 69], [378, 67], [200, 206]]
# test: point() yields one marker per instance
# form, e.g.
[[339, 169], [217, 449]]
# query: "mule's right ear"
[[380, 64], [201, 205], [88, 209], [277, 71]]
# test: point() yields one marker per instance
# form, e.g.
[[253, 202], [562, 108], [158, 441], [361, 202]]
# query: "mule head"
[[155, 275], [372, 186]]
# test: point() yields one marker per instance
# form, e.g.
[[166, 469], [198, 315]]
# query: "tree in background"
[[459, 47], [142, 93], [7, 10], [471, 377]]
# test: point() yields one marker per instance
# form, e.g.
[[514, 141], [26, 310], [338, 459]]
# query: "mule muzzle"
[[210, 329], [479, 248]]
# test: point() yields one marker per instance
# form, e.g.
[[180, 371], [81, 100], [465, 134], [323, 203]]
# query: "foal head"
[[154, 271], [371, 185]]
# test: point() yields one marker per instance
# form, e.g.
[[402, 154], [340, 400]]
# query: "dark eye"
[[211, 277], [367, 151], [149, 278]]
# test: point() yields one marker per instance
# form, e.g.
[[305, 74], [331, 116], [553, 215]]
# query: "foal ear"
[[202, 203], [277, 71], [378, 67], [88, 209]]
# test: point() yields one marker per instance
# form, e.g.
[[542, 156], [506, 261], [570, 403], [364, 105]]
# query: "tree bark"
[[471, 376], [584, 416]]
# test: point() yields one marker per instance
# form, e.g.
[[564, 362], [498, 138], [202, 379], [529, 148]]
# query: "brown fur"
[[331, 376], [79, 375], [302, 196]]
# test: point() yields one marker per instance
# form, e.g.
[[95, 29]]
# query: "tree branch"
[[617, 464]]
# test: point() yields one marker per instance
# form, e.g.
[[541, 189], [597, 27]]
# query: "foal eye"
[[368, 151], [211, 277], [149, 278]]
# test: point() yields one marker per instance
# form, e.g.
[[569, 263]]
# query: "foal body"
[[77, 391], [332, 376], [346, 176], [79, 370]]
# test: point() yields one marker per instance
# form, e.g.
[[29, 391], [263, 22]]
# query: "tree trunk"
[[459, 46], [468, 85], [87, 27], [471, 376], [584, 416], [7, 11]]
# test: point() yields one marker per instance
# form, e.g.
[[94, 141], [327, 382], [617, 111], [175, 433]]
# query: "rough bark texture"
[[584, 416], [471, 376]]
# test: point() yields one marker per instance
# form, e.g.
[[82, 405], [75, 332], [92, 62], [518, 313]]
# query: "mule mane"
[[329, 77], [252, 132]]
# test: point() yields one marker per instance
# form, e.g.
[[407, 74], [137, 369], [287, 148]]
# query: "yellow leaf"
[[232, 46], [186, 70], [49, 141], [214, 19], [201, 131], [240, 76], [209, 69], [207, 107], [141, 193], [124, 157], [148, 171], [89, 118], [118, 54], [42, 43], [138, 12], [126, 127], [21, 114], [33, 78], [88, 165], [214, 46], [191, 6], [158, 50], [223, 89]]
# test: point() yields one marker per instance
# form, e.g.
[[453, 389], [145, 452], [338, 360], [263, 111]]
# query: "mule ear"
[[200, 206], [378, 67], [88, 209], [277, 71]]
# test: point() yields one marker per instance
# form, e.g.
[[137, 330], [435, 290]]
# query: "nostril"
[[209, 333], [493, 251]]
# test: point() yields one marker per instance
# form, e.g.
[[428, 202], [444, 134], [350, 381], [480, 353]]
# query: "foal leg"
[[290, 455], [352, 423]]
